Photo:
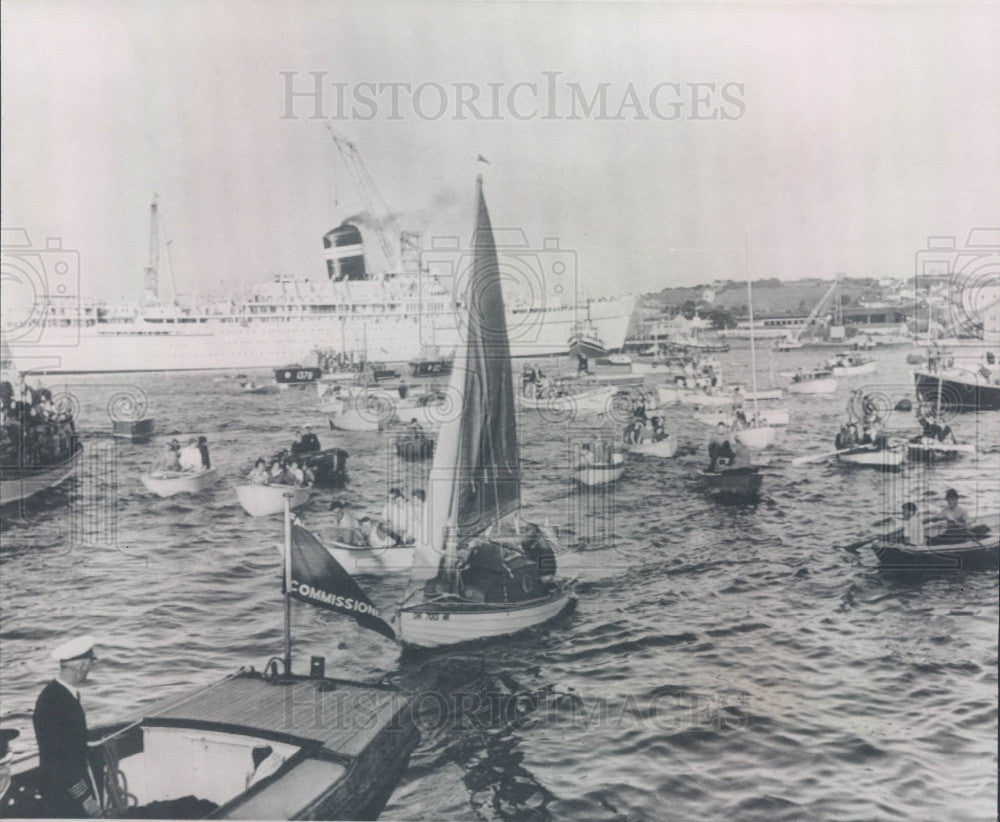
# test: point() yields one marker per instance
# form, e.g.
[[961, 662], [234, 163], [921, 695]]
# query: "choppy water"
[[722, 661]]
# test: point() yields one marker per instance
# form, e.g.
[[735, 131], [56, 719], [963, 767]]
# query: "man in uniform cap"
[[61, 732]]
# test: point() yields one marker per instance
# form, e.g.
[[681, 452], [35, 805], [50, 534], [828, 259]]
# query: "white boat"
[[928, 450], [813, 382], [20, 483], [758, 437], [265, 388], [601, 473], [364, 560], [762, 395], [264, 500], [482, 581], [884, 459], [666, 447], [586, 401], [169, 483], [846, 364]]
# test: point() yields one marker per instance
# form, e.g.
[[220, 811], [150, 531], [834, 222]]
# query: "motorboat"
[[19, 483], [846, 364], [170, 483], [813, 382], [265, 500]]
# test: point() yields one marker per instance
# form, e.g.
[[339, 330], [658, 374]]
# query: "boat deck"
[[344, 717]]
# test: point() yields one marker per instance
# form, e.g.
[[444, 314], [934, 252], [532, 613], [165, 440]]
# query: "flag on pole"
[[318, 579]]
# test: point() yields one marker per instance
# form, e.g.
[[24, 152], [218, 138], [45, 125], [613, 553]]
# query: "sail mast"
[[753, 349], [287, 556]]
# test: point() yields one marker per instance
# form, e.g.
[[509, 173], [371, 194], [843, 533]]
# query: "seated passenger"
[[913, 527], [259, 475], [954, 515], [190, 456]]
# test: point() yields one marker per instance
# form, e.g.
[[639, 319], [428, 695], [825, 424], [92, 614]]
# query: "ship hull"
[[964, 395], [227, 344]]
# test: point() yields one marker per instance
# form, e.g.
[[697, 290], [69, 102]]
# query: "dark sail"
[[487, 483], [318, 579]]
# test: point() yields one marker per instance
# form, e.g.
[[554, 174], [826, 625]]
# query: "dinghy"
[[586, 401], [358, 558], [813, 382], [169, 483], [488, 574], [975, 548], [360, 414], [264, 500], [267, 388], [666, 447], [928, 450], [676, 394], [601, 473], [737, 483], [883, 459]]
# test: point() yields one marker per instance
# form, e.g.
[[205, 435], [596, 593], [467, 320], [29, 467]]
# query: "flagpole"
[[288, 582]]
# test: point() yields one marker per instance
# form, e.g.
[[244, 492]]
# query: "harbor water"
[[723, 661]]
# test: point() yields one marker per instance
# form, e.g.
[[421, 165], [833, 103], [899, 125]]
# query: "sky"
[[851, 133]]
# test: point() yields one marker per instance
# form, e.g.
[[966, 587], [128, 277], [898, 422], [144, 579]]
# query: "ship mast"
[[152, 271]]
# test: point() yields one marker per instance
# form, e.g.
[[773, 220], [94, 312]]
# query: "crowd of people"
[[34, 431], [192, 457], [600, 452], [727, 450], [640, 429]]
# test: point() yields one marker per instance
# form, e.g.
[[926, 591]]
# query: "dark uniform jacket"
[[61, 732]]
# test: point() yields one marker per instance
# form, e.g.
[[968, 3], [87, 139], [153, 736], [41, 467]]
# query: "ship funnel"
[[345, 253]]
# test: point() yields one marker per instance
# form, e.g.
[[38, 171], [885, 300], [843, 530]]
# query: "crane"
[[371, 198], [820, 306]]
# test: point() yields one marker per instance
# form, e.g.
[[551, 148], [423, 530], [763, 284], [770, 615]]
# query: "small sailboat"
[[755, 433], [170, 483], [488, 573], [264, 500]]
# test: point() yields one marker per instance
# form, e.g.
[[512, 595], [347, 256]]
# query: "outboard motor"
[[345, 253]]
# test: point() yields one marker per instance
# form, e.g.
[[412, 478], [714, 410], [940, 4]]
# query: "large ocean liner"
[[385, 316]]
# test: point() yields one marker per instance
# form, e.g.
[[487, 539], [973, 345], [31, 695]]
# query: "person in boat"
[[206, 460], [403, 389], [945, 434], [634, 432], [719, 446], [587, 456], [843, 438], [190, 456], [913, 526], [260, 475], [375, 534], [296, 448], [170, 458], [415, 516], [394, 513], [956, 518], [342, 518], [741, 454], [67, 783], [296, 474], [659, 432], [416, 429]]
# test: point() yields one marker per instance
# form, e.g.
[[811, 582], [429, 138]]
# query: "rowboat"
[[602, 473], [666, 447], [366, 411], [169, 483], [486, 572], [414, 448], [264, 500], [757, 436], [739, 483], [813, 382], [236, 749], [590, 400], [365, 560], [977, 548], [20, 483], [928, 450], [453, 621], [883, 459]]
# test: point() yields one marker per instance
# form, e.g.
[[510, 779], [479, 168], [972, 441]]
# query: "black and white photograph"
[[507, 411]]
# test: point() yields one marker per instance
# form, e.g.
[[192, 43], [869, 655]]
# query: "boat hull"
[[761, 437], [814, 387], [18, 484], [665, 448], [591, 401], [937, 451], [962, 395], [440, 624], [265, 500], [962, 557], [595, 475], [739, 483], [886, 459], [372, 561], [167, 485], [855, 370], [414, 449], [669, 394]]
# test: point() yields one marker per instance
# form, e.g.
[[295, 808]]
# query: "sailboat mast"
[[287, 556], [753, 348]]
